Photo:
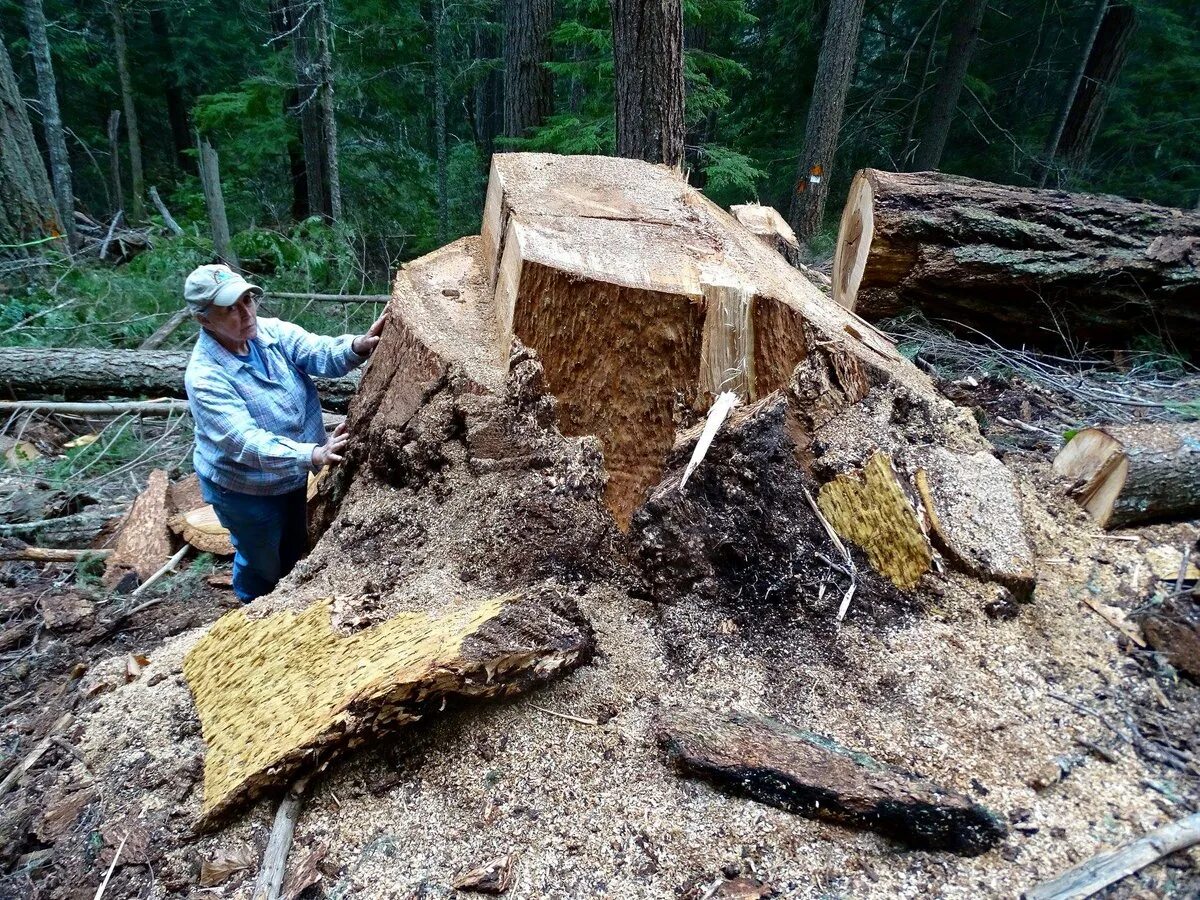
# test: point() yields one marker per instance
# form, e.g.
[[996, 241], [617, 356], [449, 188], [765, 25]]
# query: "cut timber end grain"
[[644, 300], [1032, 265], [974, 515], [203, 530], [872, 509], [811, 775], [765, 223], [284, 693], [1125, 474], [144, 541]]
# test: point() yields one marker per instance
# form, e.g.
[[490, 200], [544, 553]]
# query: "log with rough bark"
[[80, 374], [810, 775], [1037, 266], [279, 695], [1126, 474], [144, 540], [645, 300]]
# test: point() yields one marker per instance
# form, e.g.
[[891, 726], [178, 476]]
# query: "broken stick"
[[270, 874], [52, 554], [1099, 872], [14, 775]]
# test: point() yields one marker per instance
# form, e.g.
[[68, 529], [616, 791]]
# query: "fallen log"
[[1024, 264], [279, 696], [51, 554], [61, 407], [1095, 874], [810, 775], [1127, 474], [84, 373]]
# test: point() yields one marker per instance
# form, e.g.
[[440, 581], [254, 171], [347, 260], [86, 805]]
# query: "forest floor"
[[1044, 712]]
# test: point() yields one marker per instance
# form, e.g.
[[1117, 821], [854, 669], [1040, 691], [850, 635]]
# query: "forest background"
[[355, 134]]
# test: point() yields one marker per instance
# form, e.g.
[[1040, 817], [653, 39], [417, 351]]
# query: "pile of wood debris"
[[653, 570]]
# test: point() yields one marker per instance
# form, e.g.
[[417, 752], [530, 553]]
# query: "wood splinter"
[[279, 844]]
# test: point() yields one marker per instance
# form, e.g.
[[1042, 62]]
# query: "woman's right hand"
[[330, 453]]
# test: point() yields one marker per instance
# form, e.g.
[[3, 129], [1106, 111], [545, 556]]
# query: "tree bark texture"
[[1060, 123], [214, 200], [137, 206], [835, 68], [114, 161], [60, 160], [528, 84], [439, 125], [488, 94], [648, 55], [80, 374], [300, 25], [27, 211], [1037, 266], [328, 110], [949, 85], [1126, 474], [1104, 65], [177, 117]]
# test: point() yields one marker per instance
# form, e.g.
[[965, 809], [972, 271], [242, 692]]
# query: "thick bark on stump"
[[80, 374], [1020, 263], [1126, 474], [811, 775], [645, 300]]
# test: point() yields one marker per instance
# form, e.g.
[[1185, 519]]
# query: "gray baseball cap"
[[215, 285]]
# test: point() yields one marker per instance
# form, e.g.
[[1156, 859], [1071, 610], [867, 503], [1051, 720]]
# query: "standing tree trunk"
[[949, 85], [1060, 124], [439, 104], [907, 147], [137, 208], [648, 56], [312, 142], [281, 28], [1104, 65], [214, 199], [528, 85], [27, 211], [488, 95], [172, 92], [114, 160], [328, 113], [60, 160], [835, 68]]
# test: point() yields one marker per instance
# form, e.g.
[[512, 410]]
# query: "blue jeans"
[[270, 535]]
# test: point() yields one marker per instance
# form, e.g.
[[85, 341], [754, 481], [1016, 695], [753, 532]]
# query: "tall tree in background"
[[328, 110], [528, 85], [648, 59], [439, 125], [949, 84], [299, 22], [1060, 123], [835, 68], [27, 210], [172, 93], [487, 94], [137, 206], [60, 160], [1104, 64], [281, 37]]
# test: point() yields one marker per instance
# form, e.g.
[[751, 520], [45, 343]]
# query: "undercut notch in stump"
[[279, 696], [810, 775], [1126, 474]]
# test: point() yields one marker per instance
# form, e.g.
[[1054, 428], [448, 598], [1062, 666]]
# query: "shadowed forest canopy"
[[398, 106]]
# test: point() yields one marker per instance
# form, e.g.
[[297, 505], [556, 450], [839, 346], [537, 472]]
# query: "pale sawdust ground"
[[593, 810]]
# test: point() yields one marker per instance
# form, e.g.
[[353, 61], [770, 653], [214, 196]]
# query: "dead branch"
[[270, 873], [14, 775]]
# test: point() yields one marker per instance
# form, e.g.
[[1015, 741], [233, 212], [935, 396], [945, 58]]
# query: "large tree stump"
[[645, 300], [1126, 474], [813, 776], [1037, 266]]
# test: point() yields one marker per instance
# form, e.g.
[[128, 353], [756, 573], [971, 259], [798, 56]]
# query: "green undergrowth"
[[95, 304]]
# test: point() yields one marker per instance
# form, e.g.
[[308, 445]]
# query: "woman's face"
[[236, 324]]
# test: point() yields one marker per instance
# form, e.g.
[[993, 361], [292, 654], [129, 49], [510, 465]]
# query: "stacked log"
[[1044, 267]]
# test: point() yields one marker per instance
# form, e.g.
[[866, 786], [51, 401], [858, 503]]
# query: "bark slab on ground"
[[813, 776], [1037, 266]]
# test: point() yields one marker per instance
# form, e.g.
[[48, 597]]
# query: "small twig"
[[563, 715], [14, 775], [1184, 558], [1104, 754], [112, 867], [167, 567]]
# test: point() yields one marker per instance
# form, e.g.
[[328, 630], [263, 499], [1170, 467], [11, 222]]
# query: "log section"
[[1018, 263], [811, 775], [1126, 474], [644, 300], [82, 374]]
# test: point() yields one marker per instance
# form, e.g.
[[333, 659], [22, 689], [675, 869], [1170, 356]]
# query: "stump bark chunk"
[[144, 540], [1016, 262], [810, 775], [1127, 474], [280, 695]]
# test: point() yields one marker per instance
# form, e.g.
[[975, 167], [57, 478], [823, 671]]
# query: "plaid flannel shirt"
[[256, 434]]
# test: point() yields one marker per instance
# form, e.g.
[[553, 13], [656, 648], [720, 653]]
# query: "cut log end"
[[855, 234], [1096, 464]]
